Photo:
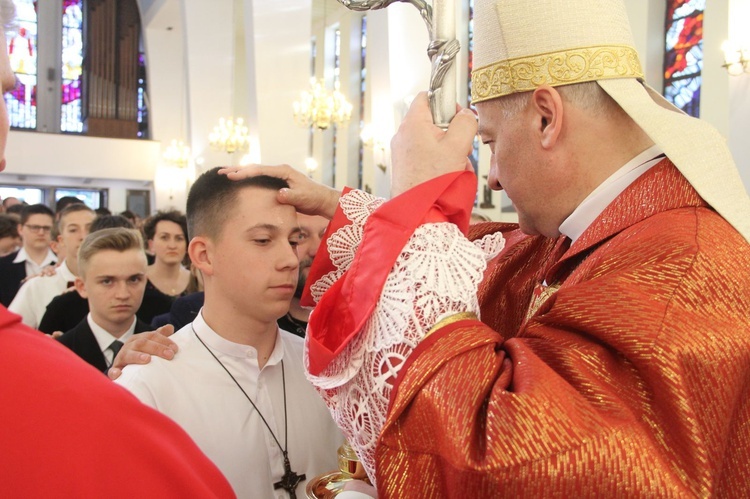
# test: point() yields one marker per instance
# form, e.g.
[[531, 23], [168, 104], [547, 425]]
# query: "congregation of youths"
[[231, 414], [95, 291]]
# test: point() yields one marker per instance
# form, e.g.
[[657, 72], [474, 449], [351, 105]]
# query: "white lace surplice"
[[436, 275]]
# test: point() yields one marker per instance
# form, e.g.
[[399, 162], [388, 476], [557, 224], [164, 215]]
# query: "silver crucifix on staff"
[[441, 24]]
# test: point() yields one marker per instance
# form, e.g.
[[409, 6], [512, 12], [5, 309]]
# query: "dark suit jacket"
[[65, 311], [11, 275], [82, 341]]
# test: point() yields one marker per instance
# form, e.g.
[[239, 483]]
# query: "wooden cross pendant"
[[289, 480]]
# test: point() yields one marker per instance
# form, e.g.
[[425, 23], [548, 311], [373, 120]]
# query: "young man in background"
[[35, 294], [35, 230]]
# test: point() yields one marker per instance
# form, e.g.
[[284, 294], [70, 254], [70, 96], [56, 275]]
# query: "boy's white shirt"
[[196, 392]]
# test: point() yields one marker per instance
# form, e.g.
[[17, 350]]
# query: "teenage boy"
[[65, 311], [35, 294], [112, 276], [312, 229], [35, 230], [236, 383]]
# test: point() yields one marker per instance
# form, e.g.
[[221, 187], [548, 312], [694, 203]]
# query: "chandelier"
[[177, 153], [230, 135], [320, 108]]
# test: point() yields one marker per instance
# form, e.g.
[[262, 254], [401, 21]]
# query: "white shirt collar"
[[23, 256], [220, 344], [104, 338], [30, 266], [595, 203]]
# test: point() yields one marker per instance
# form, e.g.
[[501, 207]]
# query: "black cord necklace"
[[290, 479]]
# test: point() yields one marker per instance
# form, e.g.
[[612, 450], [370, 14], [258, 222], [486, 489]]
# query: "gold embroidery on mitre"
[[565, 67]]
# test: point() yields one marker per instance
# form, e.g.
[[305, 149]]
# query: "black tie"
[[115, 346]]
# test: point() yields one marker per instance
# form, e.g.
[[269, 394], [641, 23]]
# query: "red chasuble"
[[632, 379], [68, 431]]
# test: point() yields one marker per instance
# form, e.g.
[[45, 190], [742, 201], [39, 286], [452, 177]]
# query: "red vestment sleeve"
[[322, 263], [344, 308]]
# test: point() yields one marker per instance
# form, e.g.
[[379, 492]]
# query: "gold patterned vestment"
[[631, 380]]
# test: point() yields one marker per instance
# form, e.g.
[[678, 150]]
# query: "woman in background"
[[166, 234]]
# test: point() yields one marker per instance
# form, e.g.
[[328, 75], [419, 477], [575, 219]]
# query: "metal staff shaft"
[[440, 18], [443, 98]]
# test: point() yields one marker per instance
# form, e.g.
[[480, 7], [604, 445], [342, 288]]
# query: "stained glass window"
[[683, 60], [64, 43], [142, 101], [22, 48], [72, 61]]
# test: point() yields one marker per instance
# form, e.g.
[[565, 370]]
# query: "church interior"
[[134, 111]]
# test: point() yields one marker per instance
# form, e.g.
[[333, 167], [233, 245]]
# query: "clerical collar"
[[222, 345], [103, 337], [595, 203]]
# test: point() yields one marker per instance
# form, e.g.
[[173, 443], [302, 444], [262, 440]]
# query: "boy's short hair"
[[110, 222], [117, 239], [129, 215], [16, 209], [149, 227], [71, 208], [212, 196], [8, 225], [35, 209], [66, 201]]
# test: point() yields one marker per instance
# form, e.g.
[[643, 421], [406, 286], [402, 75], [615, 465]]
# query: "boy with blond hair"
[[112, 276]]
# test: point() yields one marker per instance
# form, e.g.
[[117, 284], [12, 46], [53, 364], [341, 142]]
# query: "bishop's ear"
[[548, 113]]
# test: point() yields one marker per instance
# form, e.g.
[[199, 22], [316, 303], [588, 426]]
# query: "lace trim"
[[357, 206], [436, 275]]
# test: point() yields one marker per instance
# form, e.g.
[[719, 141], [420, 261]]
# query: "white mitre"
[[522, 44]]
